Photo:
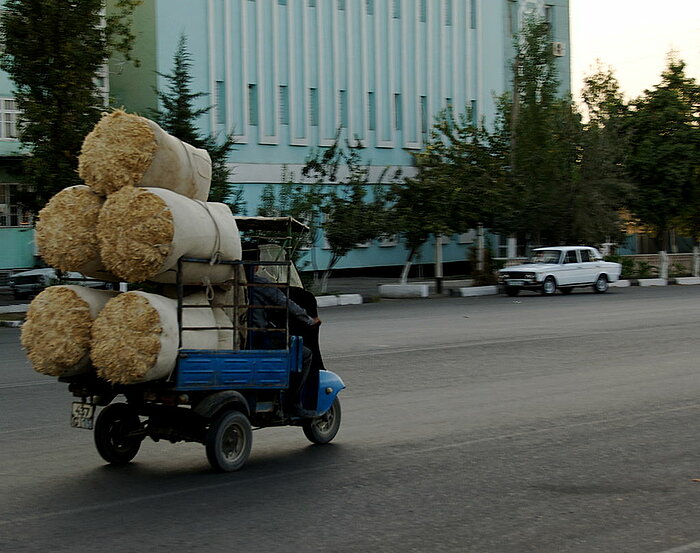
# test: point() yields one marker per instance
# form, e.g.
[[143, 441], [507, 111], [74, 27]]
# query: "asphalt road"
[[491, 424]]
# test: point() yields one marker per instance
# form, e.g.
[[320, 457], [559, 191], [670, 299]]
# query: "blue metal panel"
[[329, 384]]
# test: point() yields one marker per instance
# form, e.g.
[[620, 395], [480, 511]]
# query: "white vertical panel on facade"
[[211, 46], [411, 123], [383, 75], [266, 51], [461, 26], [297, 17], [327, 62], [479, 50]]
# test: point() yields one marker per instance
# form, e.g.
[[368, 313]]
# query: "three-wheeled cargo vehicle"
[[217, 397]]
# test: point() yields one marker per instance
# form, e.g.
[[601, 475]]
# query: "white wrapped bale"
[[128, 150], [65, 232], [135, 338], [56, 334], [144, 231]]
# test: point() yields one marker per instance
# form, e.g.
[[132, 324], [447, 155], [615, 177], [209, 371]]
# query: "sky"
[[634, 38]]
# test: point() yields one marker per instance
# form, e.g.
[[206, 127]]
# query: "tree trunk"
[[407, 266]]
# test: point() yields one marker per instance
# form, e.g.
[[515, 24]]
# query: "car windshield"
[[545, 256]]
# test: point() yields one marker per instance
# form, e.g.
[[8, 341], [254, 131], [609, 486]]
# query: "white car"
[[29, 283], [563, 268]]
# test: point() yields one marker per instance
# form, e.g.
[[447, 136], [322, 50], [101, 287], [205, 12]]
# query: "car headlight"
[[529, 276]]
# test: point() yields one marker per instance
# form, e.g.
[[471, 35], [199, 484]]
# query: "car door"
[[570, 268], [589, 266]]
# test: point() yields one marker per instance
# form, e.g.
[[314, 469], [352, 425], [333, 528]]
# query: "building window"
[[8, 118], [397, 9], [369, 6], [284, 105], [252, 105], [513, 16], [12, 215], [423, 16], [343, 101], [313, 106], [448, 12], [282, 2], [472, 14], [398, 112], [424, 115], [341, 5], [220, 103], [474, 113], [371, 111], [549, 18], [312, 3]]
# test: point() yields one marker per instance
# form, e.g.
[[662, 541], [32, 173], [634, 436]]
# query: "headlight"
[[530, 276]]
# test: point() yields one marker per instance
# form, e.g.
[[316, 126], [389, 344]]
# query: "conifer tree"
[[178, 116]]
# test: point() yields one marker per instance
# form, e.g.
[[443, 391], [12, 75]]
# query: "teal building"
[[284, 75]]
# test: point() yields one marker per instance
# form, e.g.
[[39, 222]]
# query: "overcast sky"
[[634, 37]]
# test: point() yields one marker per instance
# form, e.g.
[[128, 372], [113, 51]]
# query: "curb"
[[340, 299]]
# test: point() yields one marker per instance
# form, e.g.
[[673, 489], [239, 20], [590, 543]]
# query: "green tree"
[[543, 134], [178, 116], [459, 184], [353, 209], [603, 186], [53, 52], [664, 151]]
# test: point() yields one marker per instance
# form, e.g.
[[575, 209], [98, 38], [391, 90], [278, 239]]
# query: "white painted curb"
[[620, 284], [687, 280], [653, 282], [349, 299], [404, 290], [478, 291], [327, 301]]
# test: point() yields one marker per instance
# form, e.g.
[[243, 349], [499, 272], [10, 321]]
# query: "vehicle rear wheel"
[[566, 291], [512, 291], [549, 286], [229, 440], [321, 430], [601, 285], [116, 433]]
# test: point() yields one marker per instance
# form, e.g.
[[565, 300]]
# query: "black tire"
[[321, 430], [601, 285], [115, 431], [228, 441], [512, 291], [566, 291], [549, 286]]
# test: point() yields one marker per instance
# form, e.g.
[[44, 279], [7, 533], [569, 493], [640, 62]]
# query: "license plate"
[[516, 282], [82, 415]]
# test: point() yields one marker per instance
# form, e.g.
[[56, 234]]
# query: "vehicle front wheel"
[[601, 285], [512, 291], [116, 434], [321, 430], [549, 286], [229, 440]]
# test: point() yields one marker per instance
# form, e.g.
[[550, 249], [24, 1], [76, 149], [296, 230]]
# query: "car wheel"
[[512, 291], [117, 435], [228, 441], [549, 286], [601, 285], [321, 430], [566, 291]]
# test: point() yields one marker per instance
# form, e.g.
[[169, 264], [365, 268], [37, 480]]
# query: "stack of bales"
[[143, 208]]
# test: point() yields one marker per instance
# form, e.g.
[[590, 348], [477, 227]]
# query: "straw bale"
[[127, 150], [135, 338], [126, 338], [135, 231], [65, 232], [56, 334], [117, 152], [143, 232]]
